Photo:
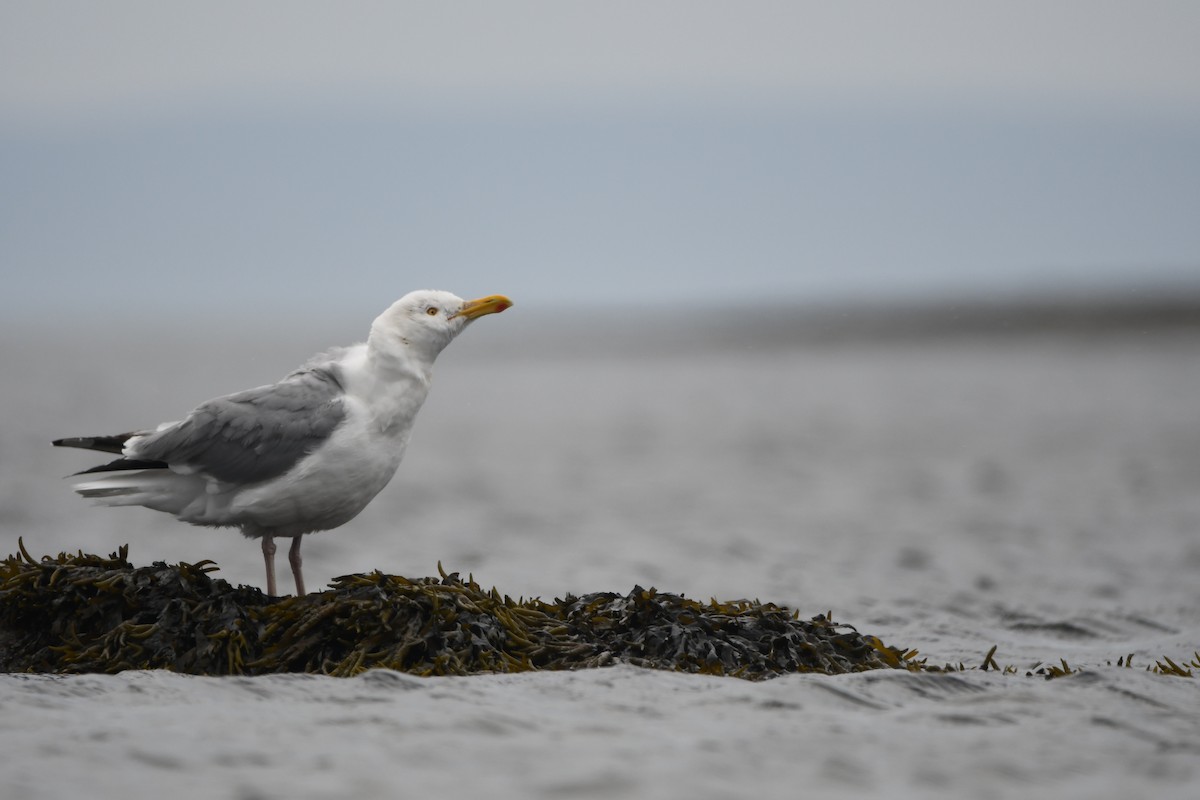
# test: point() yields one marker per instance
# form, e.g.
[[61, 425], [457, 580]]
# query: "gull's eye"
[[432, 311]]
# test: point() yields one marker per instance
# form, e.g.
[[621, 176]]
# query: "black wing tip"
[[106, 444]]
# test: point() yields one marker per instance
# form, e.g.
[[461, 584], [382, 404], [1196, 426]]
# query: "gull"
[[302, 455]]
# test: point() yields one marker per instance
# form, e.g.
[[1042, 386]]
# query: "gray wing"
[[253, 435]]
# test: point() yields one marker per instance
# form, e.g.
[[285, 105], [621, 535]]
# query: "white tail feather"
[[161, 490]]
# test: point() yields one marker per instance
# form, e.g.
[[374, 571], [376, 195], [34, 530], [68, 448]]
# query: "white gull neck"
[[388, 387]]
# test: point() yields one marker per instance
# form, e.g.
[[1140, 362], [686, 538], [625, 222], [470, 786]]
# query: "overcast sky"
[[80, 59], [272, 154]]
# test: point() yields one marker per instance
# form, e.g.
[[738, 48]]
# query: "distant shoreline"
[[1067, 315], [739, 326]]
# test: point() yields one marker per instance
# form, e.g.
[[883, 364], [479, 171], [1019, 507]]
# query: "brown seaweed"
[[86, 613]]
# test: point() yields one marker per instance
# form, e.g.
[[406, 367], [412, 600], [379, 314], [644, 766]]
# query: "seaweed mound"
[[85, 613]]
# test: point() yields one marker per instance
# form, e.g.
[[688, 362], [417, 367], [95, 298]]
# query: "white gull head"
[[418, 326]]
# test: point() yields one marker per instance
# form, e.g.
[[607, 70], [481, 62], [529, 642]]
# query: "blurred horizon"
[[288, 160]]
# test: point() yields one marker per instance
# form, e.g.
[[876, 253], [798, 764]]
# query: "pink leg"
[[268, 548], [294, 560]]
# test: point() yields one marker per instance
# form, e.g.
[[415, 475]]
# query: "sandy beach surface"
[[1038, 491]]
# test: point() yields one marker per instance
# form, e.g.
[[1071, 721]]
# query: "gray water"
[[947, 488]]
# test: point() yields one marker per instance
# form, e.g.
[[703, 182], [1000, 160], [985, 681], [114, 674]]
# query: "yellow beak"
[[492, 304]]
